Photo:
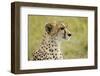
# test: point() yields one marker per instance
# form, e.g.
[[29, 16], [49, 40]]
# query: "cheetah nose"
[[69, 34]]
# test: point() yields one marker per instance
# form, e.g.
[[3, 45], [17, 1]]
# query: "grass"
[[75, 48]]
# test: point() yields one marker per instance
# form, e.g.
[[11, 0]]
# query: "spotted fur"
[[50, 46]]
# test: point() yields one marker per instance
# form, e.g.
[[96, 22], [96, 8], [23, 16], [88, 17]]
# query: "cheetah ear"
[[48, 28]]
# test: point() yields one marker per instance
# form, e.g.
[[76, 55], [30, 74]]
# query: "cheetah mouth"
[[66, 38]]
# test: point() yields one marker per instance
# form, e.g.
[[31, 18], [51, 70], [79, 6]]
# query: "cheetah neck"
[[50, 46], [51, 42]]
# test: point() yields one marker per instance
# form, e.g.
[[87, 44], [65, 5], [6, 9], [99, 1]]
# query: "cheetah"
[[50, 46]]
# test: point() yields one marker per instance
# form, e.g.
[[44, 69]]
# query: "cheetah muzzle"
[[50, 46]]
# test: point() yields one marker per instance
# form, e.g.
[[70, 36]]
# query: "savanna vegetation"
[[75, 48]]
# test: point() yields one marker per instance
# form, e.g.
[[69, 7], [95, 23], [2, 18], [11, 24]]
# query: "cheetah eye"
[[62, 28]]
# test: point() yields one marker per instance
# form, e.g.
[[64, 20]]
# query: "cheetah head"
[[58, 30]]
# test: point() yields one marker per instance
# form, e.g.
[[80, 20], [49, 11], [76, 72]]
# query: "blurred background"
[[75, 48]]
